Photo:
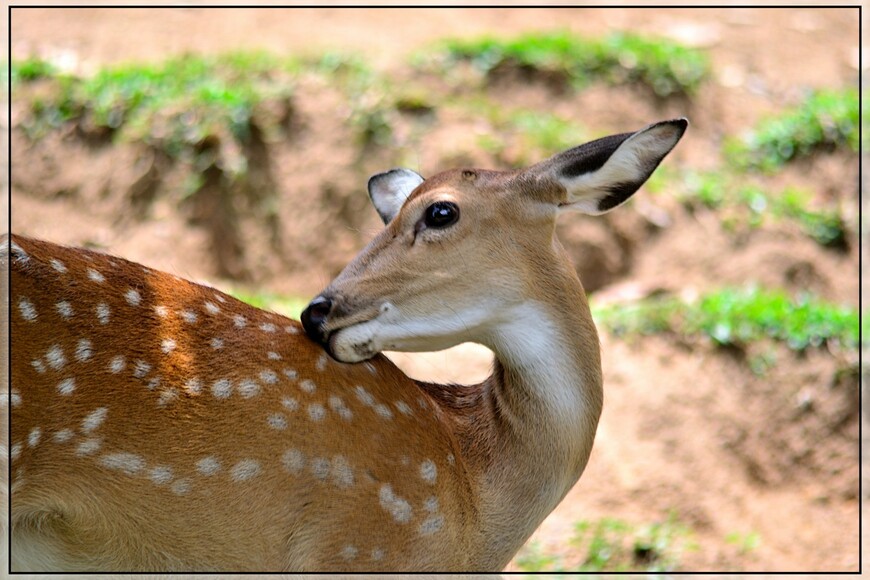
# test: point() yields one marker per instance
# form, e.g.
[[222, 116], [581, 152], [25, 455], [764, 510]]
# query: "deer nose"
[[314, 317]]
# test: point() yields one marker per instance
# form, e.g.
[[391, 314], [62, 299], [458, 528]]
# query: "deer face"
[[464, 248]]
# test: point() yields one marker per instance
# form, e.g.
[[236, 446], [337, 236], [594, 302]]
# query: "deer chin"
[[355, 343]]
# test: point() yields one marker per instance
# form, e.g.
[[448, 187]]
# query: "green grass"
[[739, 317], [290, 306], [613, 545], [530, 134], [176, 106], [31, 69], [746, 543], [666, 67], [825, 121], [741, 203]]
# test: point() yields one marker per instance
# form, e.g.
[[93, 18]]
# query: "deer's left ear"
[[389, 190], [604, 173]]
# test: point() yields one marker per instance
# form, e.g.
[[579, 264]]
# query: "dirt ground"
[[687, 429]]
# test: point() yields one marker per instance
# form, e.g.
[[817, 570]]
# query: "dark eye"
[[441, 214]]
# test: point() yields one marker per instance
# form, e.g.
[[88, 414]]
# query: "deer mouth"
[[347, 339]]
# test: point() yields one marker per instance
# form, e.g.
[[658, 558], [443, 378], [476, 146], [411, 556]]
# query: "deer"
[[161, 425]]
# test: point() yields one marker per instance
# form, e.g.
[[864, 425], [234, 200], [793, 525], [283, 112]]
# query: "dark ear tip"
[[681, 124]]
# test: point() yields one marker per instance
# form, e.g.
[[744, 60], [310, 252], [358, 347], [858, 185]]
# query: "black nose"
[[314, 317]]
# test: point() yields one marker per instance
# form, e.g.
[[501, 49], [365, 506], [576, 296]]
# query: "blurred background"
[[232, 146]]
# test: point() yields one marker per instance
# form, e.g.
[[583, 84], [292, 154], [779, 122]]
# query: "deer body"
[[161, 425]]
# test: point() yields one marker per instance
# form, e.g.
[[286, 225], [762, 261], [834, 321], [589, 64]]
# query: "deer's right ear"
[[390, 189], [603, 174]]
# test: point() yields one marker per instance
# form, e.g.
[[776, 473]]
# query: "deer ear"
[[390, 189], [604, 173]]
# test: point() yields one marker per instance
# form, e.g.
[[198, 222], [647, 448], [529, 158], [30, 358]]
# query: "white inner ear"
[[389, 191], [629, 163]]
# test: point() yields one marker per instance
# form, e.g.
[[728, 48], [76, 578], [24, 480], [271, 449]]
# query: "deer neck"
[[528, 429]]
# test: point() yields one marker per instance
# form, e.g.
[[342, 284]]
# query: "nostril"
[[319, 309], [315, 315]]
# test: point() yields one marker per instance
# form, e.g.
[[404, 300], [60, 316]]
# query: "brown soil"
[[687, 428]]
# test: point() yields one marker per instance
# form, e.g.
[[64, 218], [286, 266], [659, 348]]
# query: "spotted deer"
[[162, 425]]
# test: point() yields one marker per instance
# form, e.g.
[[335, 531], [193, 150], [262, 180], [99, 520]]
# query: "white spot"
[[103, 313], [208, 465], [63, 435], [316, 411], [321, 362], [14, 398], [117, 364], [428, 471], [422, 402], [140, 369], [320, 467], [273, 355], [450, 459], [38, 365], [28, 312], [220, 298], [383, 411], [399, 508], [188, 316], [153, 383], [342, 473], [161, 475], [431, 504], [64, 308], [371, 368], [161, 311], [133, 297], [211, 307], [244, 470], [217, 343], [277, 421], [268, 377], [66, 386], [268, 327], [248, 388], [34, 437], [57, 265], [84, 350], [167, 345], [129, 463], [403, 408], [364, 396], [222, 388], [180, 486], [293, 460], [94, 419], [167, 396], [15, 451], [337, 405], [377, 554], [193, 386], [291, 330], [290, 403], [349, 553], [431, 525], [239, 321], [96, 276], [308, 386], [55, 357], [291, 374]]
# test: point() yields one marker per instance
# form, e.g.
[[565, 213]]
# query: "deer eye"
[[441, 214]]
